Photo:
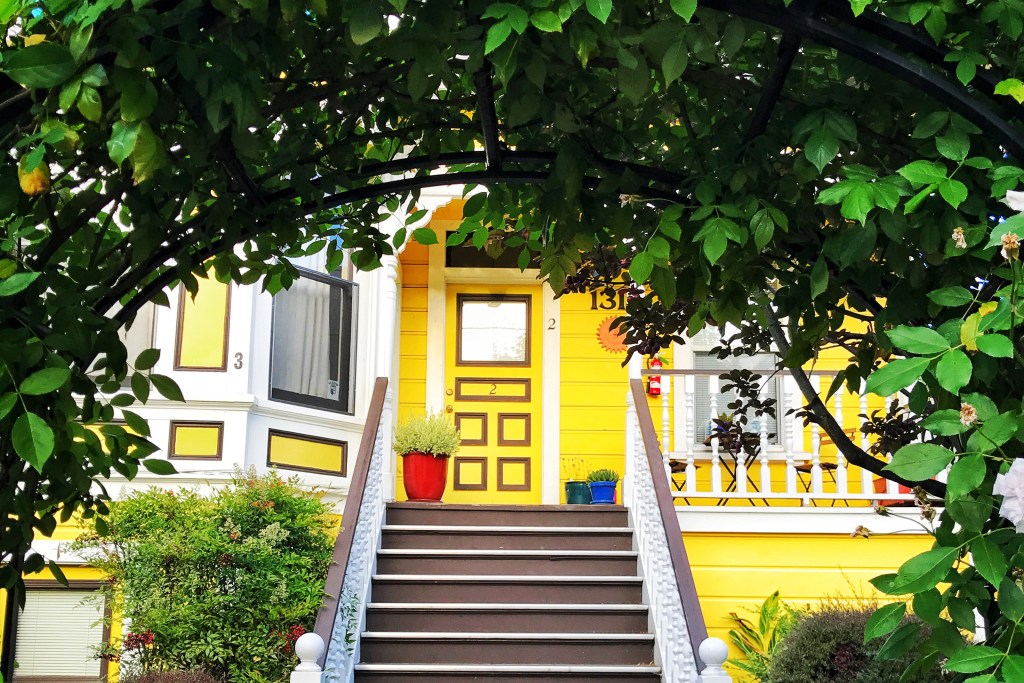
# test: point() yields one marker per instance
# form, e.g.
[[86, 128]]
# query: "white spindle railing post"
[[842, 479], [816, 486], [716, 461], [713, 652], [689, 442], [891, 487], [766, 470], [308, 648], [666, 400], [632, 429]]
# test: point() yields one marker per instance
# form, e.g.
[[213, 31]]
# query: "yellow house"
[[538, 388]]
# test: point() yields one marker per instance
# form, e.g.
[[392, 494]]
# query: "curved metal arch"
[[928, 81]]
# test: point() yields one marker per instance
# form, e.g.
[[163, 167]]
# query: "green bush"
[[170, 677], [827, 646], [427, 434], [222, 584], [603, 475]]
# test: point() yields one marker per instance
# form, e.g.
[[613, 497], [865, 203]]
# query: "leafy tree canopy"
[[819, 173]]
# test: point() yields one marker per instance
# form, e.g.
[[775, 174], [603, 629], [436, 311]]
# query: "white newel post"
[[634, 367], [308, 648], [385, 361], [713, 652]]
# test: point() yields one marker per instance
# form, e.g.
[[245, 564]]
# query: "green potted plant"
[[425, 443], [602, 486], [577, 490]]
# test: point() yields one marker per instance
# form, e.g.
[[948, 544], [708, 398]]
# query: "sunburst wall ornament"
[[611, 340]]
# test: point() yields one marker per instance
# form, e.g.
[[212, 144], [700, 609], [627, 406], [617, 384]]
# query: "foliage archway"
[[753, 162]]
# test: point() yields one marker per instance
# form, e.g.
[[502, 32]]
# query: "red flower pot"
[[424, 476], [882, 485]]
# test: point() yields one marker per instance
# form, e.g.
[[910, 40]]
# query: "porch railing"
[[793, 463], [671, 594], [340, 619]]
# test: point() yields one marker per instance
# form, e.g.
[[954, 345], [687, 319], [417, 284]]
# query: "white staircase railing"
[[343, 613], [678, 623]]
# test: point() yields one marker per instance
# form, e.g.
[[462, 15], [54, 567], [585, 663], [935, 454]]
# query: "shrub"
[[427, 434], [170, 677], [827, 646], [760, 640], [603, 475], [222, 584]]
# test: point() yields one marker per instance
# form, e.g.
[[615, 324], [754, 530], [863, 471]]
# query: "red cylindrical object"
[[424, 476], [654, 381]]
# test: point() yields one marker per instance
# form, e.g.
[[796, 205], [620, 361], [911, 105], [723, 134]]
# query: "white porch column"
[[386, 343]]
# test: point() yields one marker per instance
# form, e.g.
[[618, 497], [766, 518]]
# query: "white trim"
[[551, 398], [511, 635], [766, 521], [503, 607], [507, 668], [437, 302]]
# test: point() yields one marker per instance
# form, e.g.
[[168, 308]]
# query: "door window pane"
[[493, 330]]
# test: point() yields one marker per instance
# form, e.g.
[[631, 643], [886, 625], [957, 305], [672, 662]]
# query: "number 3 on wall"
[[238, 361]]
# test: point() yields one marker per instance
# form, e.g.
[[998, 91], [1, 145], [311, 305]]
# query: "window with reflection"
[[493, 330]]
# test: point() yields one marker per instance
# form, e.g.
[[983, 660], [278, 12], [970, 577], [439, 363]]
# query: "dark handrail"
[[677, 551], [350, 517]]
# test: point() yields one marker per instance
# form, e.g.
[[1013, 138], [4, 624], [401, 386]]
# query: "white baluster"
[[842, 481], [816, 443], [632, 428], [866, 484], [686, 415], [716, 462], [666, 399], [766, 471], [891, 486], [790, 472]]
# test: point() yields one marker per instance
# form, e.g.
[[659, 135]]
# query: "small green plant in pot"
[[425, 443], [602, 486]]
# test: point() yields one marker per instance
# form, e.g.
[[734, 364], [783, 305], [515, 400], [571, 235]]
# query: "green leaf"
[[922, 340], [45, 65], [684, 8], [989, 560], [995, 345], [546, 21], [89, 103], [896, 375], [821, 147], [167, 387], [900, 642], [953, 147], [945, 422], [80, 38], [140, 386], [1011, 599], [673, 64], [714, 246], [365, 23], [953, 191], [147, 359], [148, 157], [135, 422], [7, 402], [858, 202], [600, 9], [122, 141], [1013, 668], [138, 99], [924, 172], [974, 659], [951, 296], [953, 371], [425, 236], [497, 34], [1012, 87], [658, 247], [993, 433], [159, 466], [641, 266], [819, 277], [474, 204], [33, 440], [17, 283], [924, 571], [44, 381], [919, 461], [965, 476], [884, 620]]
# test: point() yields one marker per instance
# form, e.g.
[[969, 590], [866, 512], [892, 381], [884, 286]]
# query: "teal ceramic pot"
[[577, 493]]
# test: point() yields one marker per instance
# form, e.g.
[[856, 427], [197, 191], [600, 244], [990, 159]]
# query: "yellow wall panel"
[[195, 440], [295, 452], [736, 572], [203, 328]]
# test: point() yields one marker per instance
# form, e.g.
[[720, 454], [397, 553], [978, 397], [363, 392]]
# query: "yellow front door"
[[493, 392]]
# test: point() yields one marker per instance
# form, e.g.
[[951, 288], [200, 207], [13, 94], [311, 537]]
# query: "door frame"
[[438, 279]]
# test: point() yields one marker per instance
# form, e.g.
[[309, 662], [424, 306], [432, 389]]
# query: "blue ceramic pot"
[[602, 492]]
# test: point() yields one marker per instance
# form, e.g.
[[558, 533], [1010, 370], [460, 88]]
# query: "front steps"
[[506, 594]]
